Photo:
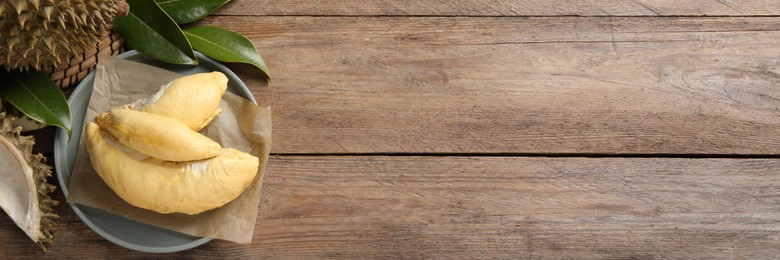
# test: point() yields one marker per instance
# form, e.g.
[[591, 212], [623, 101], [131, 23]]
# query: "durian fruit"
[[24, 193], [39, 33], [166, 187], [193, 99], [157, 136]]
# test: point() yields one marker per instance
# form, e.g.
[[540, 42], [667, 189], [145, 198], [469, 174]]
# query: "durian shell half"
[[24, 193]]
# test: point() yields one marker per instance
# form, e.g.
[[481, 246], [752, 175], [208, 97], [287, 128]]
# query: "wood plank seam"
[[546, 155], [492, 16]]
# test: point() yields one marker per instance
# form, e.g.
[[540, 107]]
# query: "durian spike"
[[8, 61], [84, 19], [35, 3], [104, 6], [23, 18], [67, 47], [37, 60], [61, 20], [11, 43], [64, 4], [49, 40], [25, 51], [36, 35], [14, 31], [94, 39], [82, 8], [46, 12], [97, 16], [54, 57], [34, 41], [82, 44], [72, 16], [19, 5]]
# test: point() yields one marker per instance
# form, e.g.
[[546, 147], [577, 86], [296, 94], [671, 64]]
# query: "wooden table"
[[505, 129]]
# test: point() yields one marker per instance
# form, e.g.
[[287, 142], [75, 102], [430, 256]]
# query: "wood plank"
[[503, 8], [488, 207], [518, 85]]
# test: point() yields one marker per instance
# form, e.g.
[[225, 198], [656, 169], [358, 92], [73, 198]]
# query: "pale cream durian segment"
[[168, 187], [193, 99], [157, 136]]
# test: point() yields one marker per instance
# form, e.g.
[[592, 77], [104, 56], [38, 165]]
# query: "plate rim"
[[61, 141]]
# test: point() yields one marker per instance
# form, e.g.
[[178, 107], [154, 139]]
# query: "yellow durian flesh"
[[168, 187], [157, 136], [192, 99], [23, 187]]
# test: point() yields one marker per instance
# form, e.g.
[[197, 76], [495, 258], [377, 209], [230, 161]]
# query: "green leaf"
[[225, 45], [36, 95], [187, 11], [149, 30]]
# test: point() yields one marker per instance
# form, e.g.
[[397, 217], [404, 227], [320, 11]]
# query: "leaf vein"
[[215, 44]]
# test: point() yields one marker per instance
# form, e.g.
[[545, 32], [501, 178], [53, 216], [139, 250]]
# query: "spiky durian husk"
[[40, 172], [38, 33]]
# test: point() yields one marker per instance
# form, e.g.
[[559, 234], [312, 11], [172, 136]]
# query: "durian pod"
[[193, 99], [24, 193], [29, 27], [167, 187], [157, 136]]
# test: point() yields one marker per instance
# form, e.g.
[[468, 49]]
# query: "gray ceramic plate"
[[119, 230]]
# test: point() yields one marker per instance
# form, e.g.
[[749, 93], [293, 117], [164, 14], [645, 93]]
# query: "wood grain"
[[503, 8], [488, 207], [600, 85], [518, 85], [386, 113]]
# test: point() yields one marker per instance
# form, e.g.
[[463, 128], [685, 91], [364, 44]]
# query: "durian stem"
[[122, 8]]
